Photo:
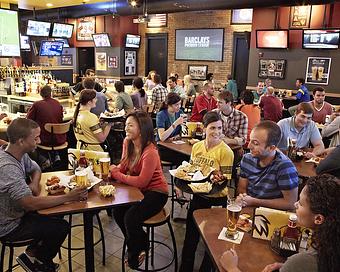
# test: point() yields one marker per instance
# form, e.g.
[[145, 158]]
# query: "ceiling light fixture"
[[49, 5], [135, 3]]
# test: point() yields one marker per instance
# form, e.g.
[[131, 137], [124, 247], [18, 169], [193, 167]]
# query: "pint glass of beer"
[[81, 178], [104, 167], [314, 72], [233, 213], [320, 72]]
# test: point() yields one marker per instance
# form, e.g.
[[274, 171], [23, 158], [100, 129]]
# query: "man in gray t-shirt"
[[19, 200]]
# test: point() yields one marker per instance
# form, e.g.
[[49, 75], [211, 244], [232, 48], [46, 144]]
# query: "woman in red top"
[[140, 166]]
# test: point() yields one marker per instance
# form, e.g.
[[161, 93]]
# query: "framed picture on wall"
[[300, 16], [157, 20], [241, 16], [272, 68], [85, 28], [112, 62], [318, 70], [198, 72], [66, 60], [130, 63], [101, 61]]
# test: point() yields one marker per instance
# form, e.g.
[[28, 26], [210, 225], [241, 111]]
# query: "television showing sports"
[[101, 40], [132, 41], [65, 41], [276, 39], [321, 39], [25, 43], [9, 34], [38, 28], [62, 30], [200, 44], [51, 48]]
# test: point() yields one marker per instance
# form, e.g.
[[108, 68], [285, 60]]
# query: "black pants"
[[131, 218], [192, 235], [48, 233]]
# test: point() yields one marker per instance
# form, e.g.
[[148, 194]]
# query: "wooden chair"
[[188, 104], [149, 108], [54, 129]]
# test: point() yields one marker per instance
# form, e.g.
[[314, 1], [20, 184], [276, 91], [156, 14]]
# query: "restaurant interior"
[[55, 43]]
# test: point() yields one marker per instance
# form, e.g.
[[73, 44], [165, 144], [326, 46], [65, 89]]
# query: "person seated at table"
[[209, 79], [203, 103], [159, 92], [267, 84], [259, 92], [303, 129], [251, 110], [150, 80], [235, 122], [174, 88], [89, 73], [320, 107], [19, 200], [2, 116], [272, 106], [169, 119], [189, 87], [139, 97], [231, 86], [330, 164], [87, 128], [302, 94], [101, 104], [123, 99], [216, 153], [267, 178], [317, 209], [140, 166], [333, 129]]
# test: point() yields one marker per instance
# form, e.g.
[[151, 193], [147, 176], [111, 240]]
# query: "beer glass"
[[314, 72], [104, 167], [81, 178], [233, 212], [320, 72]]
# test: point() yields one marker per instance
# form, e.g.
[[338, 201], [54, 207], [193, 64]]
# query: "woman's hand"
[[272, 267], [229, 261], [179, 121]]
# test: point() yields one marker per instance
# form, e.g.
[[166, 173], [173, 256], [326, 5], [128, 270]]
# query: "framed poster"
[[300, 16], [318, 70], [112, 62], [130, 63], [157, 20], [85, 28], [66, 60], [241, 16], [198, 72], [272, 68], [101, 61]]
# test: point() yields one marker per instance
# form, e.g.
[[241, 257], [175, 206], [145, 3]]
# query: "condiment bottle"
[[291, 231], [82, 162]]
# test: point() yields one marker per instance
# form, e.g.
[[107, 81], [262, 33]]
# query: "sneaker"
[[25, 262]]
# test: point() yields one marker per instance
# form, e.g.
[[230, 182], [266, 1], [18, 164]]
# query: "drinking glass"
[[233, 212]]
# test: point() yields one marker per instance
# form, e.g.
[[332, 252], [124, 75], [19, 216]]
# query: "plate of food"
[[53, 186], [88, 179], [111, 116], [244, 222], [191, 172]]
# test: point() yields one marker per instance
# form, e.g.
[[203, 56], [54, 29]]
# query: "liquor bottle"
[[82, 162], [292, 149], [291, 230]]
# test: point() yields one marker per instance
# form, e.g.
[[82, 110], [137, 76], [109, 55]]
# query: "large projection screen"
[[200, 44], [9, 34]]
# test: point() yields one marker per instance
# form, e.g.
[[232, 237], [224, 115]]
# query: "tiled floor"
[[114, 243]]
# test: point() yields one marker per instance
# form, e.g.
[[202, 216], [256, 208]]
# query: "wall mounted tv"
[[277, 39], [9, 34], [320, 38], [132, 41], [65, 41], [200, 44], [62, 30], [51, 48], [25, 43], [38, 28], [101, 40]]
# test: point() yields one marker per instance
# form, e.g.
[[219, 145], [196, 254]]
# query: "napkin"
[[222, 236]]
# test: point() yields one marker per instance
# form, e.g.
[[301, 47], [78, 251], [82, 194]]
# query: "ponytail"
[[75, 115], [142, 93]]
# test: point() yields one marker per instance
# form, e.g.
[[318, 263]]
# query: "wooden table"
[[254, 254], [124, 195]]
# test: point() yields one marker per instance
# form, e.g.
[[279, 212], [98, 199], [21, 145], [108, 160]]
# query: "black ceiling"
[[159, 6]]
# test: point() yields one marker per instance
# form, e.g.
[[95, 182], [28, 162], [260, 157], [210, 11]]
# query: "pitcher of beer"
[[233, 212], [104, 167]]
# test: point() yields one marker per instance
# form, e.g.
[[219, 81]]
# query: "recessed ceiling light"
[[49, 5], [86, 1]]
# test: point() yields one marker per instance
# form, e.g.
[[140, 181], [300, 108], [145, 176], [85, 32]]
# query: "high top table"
[[124, 195]]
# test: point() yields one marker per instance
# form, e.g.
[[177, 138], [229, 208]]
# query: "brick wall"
[[203, 19]]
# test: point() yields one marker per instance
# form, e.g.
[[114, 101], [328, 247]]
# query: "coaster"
[[222, 236]]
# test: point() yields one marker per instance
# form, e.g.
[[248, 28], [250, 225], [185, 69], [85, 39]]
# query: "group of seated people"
[[267, 178]]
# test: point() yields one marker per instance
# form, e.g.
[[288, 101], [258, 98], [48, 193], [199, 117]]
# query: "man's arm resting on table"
[[242, 186], [319, 148]]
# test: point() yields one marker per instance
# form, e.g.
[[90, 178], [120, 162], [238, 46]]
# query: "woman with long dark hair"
[[87, 129], [140, 166], [317, 209], [139, 97]]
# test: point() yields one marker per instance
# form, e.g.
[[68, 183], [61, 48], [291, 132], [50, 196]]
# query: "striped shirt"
[[268, 182]]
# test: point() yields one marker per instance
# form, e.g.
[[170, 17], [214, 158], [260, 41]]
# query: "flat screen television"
[[200, 44], [51, 48], [101, 40], [25, 43], [320, 38], [132, 41], [38, 28], [9, 33], [62, 30], [65, 41], [275, 39]]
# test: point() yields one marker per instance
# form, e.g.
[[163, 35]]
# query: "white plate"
[[65, 181]]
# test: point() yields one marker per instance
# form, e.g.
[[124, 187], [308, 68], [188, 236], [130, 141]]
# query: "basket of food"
[[112, 116]]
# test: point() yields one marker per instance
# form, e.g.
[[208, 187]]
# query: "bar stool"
[[163, 217], [172, 184], [11, 246]]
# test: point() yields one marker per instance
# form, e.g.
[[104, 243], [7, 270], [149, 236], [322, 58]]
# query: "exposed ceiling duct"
[[158, 6]]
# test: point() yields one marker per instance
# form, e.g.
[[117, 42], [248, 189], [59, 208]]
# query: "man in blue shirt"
[[302, 94], [301, 128], [268, 178]]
